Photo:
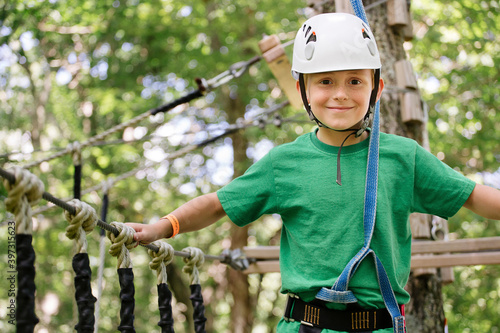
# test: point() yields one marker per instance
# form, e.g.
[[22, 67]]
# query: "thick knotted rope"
[[195, 260], [80, 224], [75, 148], [121, 244], [24, 193], [161, 259]]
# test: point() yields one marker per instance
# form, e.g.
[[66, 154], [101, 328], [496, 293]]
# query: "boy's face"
[[340, 99]]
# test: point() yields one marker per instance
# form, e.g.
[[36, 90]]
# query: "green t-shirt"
[[323, 222]]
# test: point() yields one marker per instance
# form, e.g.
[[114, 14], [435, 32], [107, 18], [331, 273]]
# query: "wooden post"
[[447, 275], [343, 6], [419, 224], [277, 60]]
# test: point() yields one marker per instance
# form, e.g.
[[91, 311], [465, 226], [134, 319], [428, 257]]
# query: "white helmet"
[[334, 42]]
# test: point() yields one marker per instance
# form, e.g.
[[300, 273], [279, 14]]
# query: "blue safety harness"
[[339, 292]]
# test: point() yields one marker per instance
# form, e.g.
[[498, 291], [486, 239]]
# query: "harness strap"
[[353, 319], [339, 292]]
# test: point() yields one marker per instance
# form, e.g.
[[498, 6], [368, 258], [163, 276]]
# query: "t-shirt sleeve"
[[438, 189], [251, 195]]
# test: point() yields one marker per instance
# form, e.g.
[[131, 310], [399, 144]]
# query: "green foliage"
[[454, 53]]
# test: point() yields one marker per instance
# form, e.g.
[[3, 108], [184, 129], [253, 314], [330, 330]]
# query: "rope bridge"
[[25, 190]]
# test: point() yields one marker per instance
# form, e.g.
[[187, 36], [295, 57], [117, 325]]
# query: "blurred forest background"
[[72, 69]]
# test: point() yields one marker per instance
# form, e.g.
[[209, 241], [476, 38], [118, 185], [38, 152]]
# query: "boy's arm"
[[485, 201], [195, 214]]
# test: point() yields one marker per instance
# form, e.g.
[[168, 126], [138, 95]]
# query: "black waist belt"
[[356, 320]]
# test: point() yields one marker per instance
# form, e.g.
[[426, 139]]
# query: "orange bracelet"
[[175, 224]]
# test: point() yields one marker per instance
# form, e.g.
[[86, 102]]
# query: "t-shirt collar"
[[334, 149]]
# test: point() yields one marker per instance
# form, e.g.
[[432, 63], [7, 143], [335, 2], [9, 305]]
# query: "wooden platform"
[[425, 254]]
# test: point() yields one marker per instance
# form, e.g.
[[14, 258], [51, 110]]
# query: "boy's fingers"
[[137, 236]]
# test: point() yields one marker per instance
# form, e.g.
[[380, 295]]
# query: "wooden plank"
[[268, 42], [451, 260], [267, 266], [425, 254], [405, 76], [262, 252], [417, 261], [418, 247], [411, 108], [459, 245]]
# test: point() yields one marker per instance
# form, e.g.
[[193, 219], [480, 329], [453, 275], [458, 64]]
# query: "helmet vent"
[[365, 35], [308, 30], [311, 38]]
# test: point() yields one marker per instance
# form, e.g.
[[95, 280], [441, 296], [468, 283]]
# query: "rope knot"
[[76, 149], [107, 184], [161, 259], [195, 260], [81, 224], [24, 193], [122, 243]]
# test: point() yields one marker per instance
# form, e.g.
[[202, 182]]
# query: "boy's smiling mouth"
[[339, 109]]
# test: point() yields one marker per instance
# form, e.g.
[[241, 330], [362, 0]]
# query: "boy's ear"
[[297, 85], [380, 88]]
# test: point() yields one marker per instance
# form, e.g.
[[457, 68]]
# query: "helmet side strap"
[[303, 94]]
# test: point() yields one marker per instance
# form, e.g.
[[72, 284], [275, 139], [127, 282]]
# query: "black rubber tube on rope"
[[26, 318], [77, 182], [165, 305], [198, 308], [127, 291], [83, 293], [81, 266]]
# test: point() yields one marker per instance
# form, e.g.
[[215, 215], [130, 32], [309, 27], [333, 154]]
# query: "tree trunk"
[[181, 291], [241, 312], [40, 98], [425, 312]]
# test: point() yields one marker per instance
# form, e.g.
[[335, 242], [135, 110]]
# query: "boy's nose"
[[339, 94]]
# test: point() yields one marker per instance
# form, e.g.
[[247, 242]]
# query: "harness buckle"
[[288, 311]]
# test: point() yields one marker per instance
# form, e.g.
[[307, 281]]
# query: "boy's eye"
[[355, 82], [325, 81]]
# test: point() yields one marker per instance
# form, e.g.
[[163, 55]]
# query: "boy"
[[337, 64]]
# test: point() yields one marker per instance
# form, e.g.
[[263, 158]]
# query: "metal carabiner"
[[438, 231]]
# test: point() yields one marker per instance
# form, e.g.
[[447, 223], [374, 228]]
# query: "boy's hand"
[[194, 215], [144, 233]]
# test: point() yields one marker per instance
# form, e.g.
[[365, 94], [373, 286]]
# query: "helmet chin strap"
[[365, 123], [366, 120]]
